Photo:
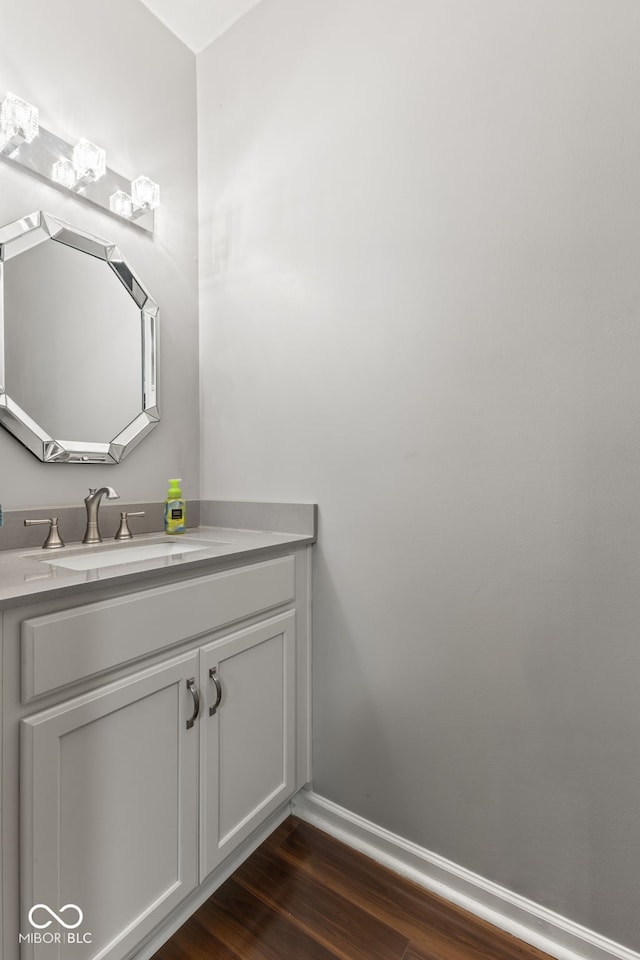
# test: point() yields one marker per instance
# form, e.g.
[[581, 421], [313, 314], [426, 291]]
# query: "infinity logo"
[[56, 916]]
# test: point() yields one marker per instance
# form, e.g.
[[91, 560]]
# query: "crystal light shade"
[[145, 193], [62, 172], [89, 160], [18, 118], [121, 203]]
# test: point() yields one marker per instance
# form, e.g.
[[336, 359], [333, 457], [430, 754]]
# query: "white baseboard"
[[536, 925]]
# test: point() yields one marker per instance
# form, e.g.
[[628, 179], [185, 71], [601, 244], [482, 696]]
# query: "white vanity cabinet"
[[158, 735]]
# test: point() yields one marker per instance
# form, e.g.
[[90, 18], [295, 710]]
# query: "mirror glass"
[[77, 345]]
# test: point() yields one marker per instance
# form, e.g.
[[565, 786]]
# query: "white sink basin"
[[112, 556]]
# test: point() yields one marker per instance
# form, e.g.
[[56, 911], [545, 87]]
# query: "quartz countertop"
[[25, 575]]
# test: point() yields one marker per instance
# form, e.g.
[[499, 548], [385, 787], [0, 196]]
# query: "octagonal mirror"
[[78, 344]]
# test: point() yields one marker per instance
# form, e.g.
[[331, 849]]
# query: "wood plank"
[[305, 896], [254, 930], [421, 916], [339, 924], [417, 951], [194, 942]]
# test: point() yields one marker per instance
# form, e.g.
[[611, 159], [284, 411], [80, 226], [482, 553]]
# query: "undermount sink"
[[112, 556]]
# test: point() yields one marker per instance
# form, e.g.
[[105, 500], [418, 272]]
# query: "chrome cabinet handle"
[[214, 677], [193, 690]]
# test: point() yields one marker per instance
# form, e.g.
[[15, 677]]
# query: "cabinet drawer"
[[65, 647]]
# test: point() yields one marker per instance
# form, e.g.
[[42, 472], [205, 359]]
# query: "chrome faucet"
[[92, 503]]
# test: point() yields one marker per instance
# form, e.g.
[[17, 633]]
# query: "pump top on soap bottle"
[[175, 509]]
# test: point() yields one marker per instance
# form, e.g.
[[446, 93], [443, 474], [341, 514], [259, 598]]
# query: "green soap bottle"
[[175, 509]]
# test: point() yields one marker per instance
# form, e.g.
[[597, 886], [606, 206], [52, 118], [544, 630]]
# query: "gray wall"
[[114, 74], [419, 305]]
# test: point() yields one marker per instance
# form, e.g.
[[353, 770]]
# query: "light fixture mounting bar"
[[38, 158]]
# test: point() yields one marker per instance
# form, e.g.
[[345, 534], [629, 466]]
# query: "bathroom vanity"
[[155, 723]]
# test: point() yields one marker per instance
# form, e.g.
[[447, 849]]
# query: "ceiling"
[[198, 22]]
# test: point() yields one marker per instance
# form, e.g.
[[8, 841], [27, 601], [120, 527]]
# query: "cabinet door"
[[248, 743], [109, 814]]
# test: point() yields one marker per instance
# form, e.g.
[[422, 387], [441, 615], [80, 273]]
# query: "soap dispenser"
[[175, 509]]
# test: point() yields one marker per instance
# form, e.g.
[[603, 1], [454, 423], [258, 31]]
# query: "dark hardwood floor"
[[304, 896]]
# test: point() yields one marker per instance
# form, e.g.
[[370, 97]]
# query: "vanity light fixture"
[[82, 168]]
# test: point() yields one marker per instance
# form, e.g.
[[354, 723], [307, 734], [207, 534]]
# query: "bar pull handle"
[[214, 676], [193, 690]]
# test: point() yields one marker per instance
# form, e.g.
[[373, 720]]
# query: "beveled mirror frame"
[[20, 236]]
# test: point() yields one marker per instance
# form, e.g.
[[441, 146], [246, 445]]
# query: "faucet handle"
[[54, 541], [124, 533]]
